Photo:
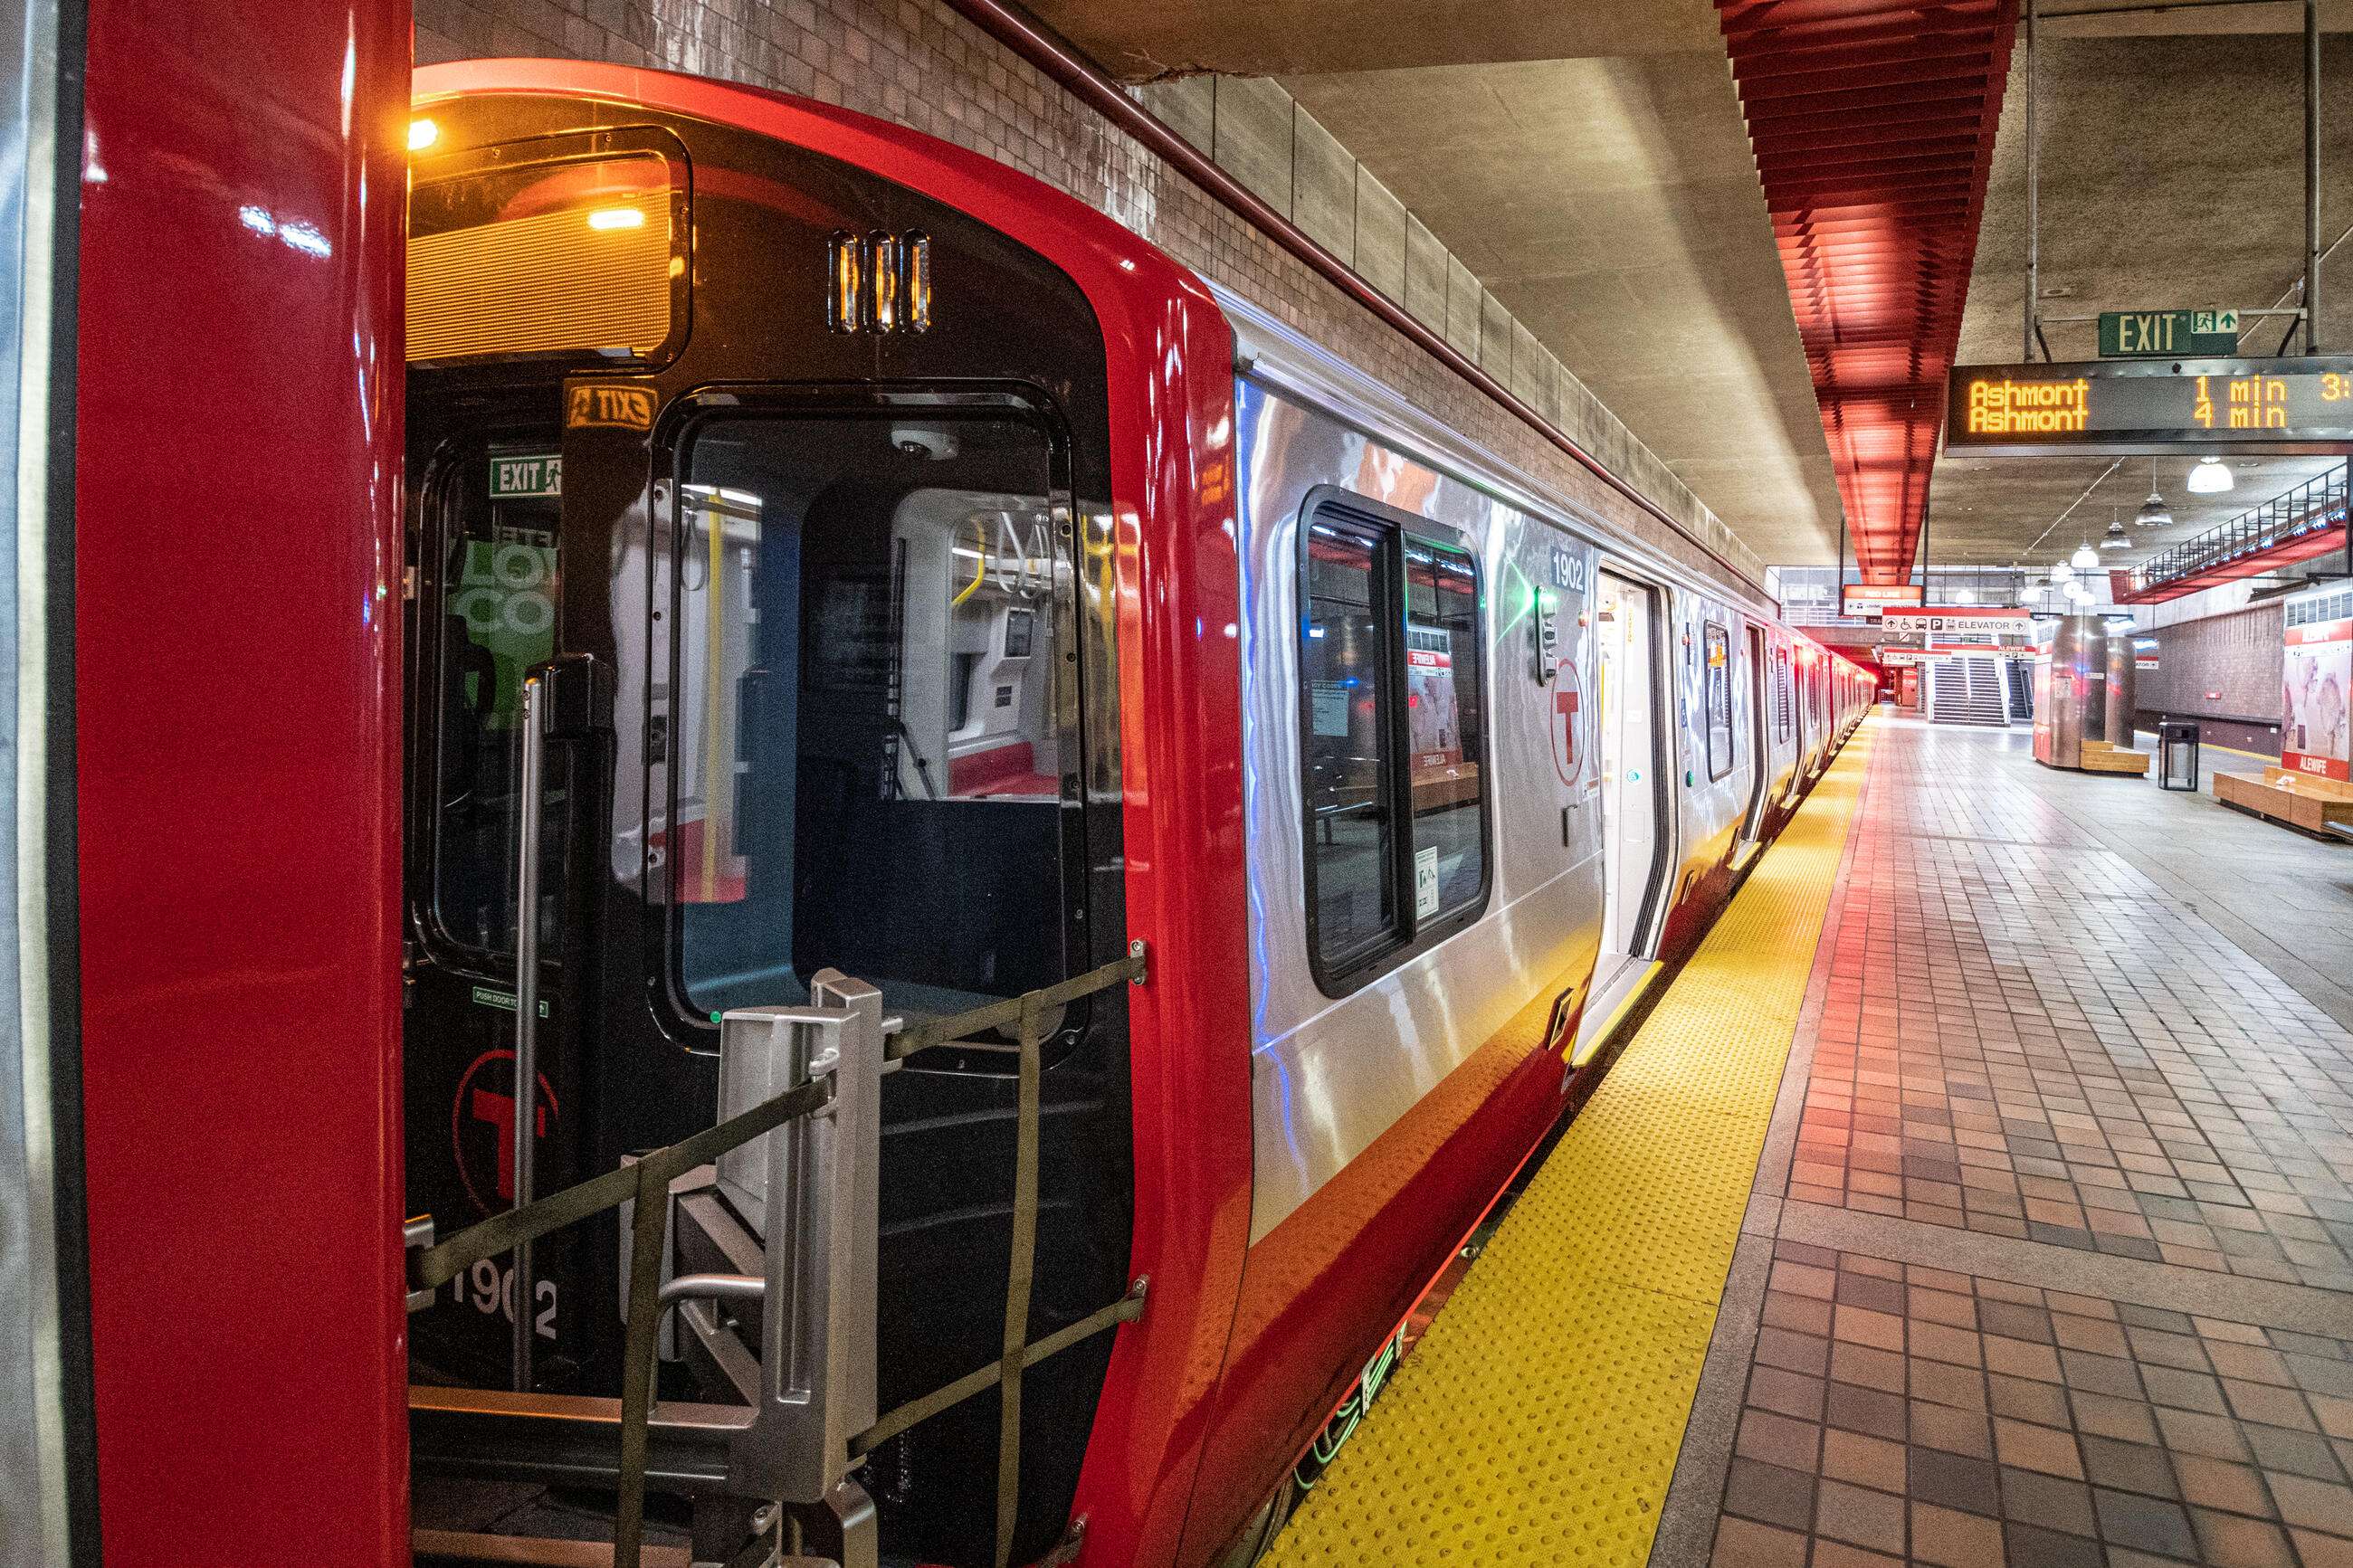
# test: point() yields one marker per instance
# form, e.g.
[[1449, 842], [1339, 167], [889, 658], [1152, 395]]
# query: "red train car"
[[973, 598]]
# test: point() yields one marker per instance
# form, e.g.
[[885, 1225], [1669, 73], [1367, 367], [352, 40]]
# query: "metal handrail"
[[647, 1182], [2316, 504]]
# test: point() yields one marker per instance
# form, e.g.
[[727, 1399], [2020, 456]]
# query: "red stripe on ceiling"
[[1873, 123]]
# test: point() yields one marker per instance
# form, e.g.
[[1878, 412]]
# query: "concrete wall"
[[2239, 657], [918, 63]]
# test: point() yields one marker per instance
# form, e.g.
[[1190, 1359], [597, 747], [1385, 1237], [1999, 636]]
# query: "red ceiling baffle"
[[1874, 124]]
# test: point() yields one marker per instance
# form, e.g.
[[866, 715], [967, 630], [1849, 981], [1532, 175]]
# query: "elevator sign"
[[2291, 407]]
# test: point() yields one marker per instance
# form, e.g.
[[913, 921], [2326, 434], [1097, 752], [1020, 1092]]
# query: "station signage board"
[[2318, 686], [2289, 406], [1935, 619], [2168, 334], [1871, 598]]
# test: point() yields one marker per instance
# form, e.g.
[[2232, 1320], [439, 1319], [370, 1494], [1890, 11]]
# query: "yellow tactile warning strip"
[[1538, 1420]]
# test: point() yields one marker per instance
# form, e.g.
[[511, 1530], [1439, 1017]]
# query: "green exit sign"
[[519, 477], [2159, 334]]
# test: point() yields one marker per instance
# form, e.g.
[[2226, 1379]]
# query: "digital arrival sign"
[[2292, 406]]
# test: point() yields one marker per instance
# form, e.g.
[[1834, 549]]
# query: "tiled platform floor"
[[2016, 1035]]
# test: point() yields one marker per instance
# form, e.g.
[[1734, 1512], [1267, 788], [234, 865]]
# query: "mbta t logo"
[[1568, 723], [482, 1128]]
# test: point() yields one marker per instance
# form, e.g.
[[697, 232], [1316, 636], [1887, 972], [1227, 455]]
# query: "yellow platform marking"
[[1538, 1420]]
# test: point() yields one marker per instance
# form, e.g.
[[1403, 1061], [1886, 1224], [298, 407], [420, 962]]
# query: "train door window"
[[1719, 698], [497, 506], [1781, 704], [1392, 736], [860, 760]]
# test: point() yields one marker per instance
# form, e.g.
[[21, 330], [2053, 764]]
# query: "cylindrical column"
[[2123, 695], [2311, 174], [2026, 357], [533, 716]]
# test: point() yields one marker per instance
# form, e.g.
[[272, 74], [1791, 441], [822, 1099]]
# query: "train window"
[[497, 508], [1351, 851], [1719, 699], [1391, 736], [579, 257], [859, 763]]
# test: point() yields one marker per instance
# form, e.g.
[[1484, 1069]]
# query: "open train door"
[[1636, 813]]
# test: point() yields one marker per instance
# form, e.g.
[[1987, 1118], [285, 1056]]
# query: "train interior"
[[1625, 626]]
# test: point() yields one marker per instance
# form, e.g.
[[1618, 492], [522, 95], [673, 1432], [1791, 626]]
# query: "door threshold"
[[1620, 980]]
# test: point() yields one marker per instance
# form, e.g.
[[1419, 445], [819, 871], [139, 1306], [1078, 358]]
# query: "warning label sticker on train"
[[519, 478]]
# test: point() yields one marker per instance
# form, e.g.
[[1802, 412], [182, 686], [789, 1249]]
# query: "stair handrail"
[[647, 1182]]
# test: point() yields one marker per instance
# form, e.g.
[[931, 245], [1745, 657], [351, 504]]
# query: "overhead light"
[[2115, 538], [2211, 476], [1965, 597], [2085, 558], [2061, 571], [422, 133], [2153, 512], [617, 218]]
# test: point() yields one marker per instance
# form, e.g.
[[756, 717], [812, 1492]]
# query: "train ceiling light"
[[1873, 123]]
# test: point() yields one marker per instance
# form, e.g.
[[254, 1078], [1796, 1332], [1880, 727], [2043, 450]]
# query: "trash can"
[[2177, 754]]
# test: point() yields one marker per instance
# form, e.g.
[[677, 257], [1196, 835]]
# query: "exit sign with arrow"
[[2159, 334]]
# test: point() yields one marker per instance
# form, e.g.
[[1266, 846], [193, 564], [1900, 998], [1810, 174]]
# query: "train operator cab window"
[[1392, 736], [860, 759], [1719, 698]]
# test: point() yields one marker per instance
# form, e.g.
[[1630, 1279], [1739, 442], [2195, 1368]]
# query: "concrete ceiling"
[[1612, 205], [2171, 175], [1146, 40]]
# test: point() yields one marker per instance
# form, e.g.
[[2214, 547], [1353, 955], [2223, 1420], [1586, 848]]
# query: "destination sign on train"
[[2284, 406]]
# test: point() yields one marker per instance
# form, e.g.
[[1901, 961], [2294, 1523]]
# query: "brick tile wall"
[[2239, 656], [918, 63]]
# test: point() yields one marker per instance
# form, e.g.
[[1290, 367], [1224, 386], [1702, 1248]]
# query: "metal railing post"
[[533, 716]]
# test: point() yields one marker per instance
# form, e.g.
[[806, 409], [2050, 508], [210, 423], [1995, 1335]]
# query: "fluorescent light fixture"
[[617, 218]]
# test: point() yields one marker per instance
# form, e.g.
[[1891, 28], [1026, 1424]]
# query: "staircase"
[[1965, 691]]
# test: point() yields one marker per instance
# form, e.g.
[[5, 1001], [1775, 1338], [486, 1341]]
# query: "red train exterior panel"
[[237, 574]]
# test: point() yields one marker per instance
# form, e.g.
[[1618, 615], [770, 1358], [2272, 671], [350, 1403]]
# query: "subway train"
[[977, 592]]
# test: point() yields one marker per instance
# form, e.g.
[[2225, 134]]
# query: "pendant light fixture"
[[2115, 538], [2211, 476], [2085, 558], [2153, 512], [2061, 571]]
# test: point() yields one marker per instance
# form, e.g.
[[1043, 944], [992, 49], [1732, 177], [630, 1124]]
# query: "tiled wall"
[[2239, 656], [920, 64]]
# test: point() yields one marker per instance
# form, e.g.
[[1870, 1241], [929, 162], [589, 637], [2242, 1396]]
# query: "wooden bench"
[[2300, 800], [2101, 757]]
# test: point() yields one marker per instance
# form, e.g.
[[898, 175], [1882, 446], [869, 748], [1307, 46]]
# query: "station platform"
[[1978, 1193]]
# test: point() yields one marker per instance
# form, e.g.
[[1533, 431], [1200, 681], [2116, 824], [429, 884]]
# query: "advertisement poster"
[[1433, 719], [2319, 674]]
